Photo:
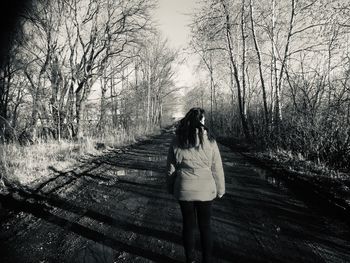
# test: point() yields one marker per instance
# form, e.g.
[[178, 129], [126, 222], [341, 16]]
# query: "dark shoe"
[[191, 260], [190, 257]]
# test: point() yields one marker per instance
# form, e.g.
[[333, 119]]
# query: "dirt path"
[[115, 209]]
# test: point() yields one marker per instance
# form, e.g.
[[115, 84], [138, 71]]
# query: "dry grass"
[[295, 162], [298, 163], [25, 166]]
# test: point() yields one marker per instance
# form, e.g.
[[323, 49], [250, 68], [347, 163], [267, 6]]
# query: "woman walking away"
[[195, 178]]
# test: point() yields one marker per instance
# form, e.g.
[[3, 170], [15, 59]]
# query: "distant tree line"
[[278, 73], [84, 67]]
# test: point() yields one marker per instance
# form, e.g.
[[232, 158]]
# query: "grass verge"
[[28, 166], [332, 186]]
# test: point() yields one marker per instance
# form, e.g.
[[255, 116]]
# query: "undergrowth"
[[297, 162]]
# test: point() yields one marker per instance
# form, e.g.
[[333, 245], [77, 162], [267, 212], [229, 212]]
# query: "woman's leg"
[[204, 216], [188, 227]]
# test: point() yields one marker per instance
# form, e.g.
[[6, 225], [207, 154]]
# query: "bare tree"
[[156, 66]]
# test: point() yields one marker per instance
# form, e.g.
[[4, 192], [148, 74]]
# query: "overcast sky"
[[173, 18]]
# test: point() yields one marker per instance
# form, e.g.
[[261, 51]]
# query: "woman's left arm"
[[218, 171]]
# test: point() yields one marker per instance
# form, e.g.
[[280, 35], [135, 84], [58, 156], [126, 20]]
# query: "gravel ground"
[[114, 208]]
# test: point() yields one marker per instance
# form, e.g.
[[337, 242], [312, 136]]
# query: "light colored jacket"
[[195, 174]]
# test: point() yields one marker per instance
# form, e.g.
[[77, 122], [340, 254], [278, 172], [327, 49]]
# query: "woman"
[[195, 178]]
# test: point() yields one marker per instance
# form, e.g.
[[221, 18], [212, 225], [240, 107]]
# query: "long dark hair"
[[189, 126]]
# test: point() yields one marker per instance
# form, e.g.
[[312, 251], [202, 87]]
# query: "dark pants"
[[191, 209]]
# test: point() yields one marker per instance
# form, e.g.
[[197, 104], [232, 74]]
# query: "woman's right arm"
[[170, 169], [217, 170], [171, 161]]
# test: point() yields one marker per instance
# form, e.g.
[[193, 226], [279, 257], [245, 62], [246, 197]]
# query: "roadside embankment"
[[329, 188]]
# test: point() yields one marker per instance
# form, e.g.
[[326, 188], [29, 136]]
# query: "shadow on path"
[[118, 201]]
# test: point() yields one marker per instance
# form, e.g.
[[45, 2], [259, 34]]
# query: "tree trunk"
[[274, 81], [4, 100], [243, 34], [148, 111], [35, 107], [235, 74], [80, 102], [160, 114], [102, 121], [258, 54]]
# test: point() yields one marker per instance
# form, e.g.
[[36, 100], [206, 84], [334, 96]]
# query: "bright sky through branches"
[[173, 18]]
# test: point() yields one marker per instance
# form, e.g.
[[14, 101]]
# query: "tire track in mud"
[[114, 208]]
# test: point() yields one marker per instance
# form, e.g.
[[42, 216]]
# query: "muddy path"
[[115, 208]]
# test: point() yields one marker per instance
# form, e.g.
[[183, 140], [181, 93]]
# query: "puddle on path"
[[136, 173], [229, 164], [120, 173], [268, 177], [157, 158], [264, 175]]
